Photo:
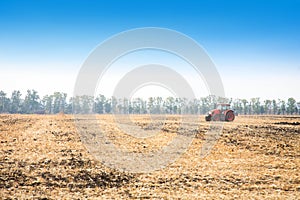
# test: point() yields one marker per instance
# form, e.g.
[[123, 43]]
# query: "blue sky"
[[254, 44]]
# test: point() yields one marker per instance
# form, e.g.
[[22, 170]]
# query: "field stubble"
[[256, 157]]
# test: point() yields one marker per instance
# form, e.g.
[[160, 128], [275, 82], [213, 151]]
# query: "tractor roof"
[[224, 104]]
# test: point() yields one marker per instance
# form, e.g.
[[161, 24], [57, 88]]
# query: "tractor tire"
[[229, 116], [208, 118]]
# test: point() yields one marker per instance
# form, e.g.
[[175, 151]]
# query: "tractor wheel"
[[229, 116], [208, 118], [216, 117]]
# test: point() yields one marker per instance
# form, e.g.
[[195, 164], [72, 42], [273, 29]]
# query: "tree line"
[[57, 102]]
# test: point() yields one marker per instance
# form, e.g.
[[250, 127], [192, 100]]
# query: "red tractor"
[[221, 113]]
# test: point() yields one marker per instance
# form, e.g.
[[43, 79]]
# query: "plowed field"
[[43, 157]]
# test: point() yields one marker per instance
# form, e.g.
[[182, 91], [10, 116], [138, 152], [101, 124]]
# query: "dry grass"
[[255, 158]]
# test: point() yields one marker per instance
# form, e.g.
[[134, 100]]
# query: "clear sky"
[[254, 44]]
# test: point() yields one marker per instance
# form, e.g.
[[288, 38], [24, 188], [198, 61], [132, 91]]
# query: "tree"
[[245, 106], [223, 100], [178, 105], [107, 106], [194, 106], [125, 106], [213, 101], [59, 102], [256, 108], [4, 102], [87, 103], [138, 106], [291, 106], [169, 104], [15, 102], [144, 106], [68, 108], [114, 105], [99, 104], [204, 105], [63, 102], [184, 106], [281, 107], [76, 106], [267, 107], [237, 106], [158, 104], [275, 107], [31, 103], [150, 105], [47, 103]]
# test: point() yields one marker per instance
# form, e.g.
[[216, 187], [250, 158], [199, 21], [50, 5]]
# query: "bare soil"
[[256, 157]]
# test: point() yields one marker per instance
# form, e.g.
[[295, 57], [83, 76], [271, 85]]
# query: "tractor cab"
[[223, 107]]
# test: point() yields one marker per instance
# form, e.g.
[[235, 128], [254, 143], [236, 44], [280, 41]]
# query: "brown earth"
[[257, 157]]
